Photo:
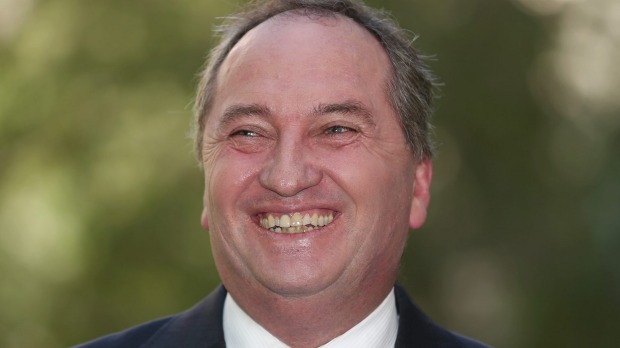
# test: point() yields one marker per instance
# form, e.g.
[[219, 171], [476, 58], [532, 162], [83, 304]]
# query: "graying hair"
[[410, 87]]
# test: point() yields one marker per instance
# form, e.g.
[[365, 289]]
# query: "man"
[[312, 129]]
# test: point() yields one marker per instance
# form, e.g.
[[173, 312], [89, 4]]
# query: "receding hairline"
[[291, 17], [323, 17], [410, 85], [319, 16], [360, 34]]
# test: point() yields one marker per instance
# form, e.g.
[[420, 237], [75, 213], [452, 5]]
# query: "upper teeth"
[[296, 222]]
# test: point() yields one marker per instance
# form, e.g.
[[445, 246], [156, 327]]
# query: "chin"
[[297, 284]]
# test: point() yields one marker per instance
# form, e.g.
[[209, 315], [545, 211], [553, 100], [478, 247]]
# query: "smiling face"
[[309, 185]]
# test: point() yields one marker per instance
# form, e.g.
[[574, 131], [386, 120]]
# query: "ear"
[[421, 193], [204, 220]]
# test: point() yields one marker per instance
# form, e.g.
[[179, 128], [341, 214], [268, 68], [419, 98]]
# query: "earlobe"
[[204, 220], [421, 193]]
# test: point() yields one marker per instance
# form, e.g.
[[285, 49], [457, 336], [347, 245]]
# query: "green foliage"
[[100, 197]]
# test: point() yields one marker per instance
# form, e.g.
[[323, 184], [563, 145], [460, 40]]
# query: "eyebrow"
[[238, 111], [349, 107]]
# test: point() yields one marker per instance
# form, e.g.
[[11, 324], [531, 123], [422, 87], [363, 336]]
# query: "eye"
[[244, 133], [248, 139], [338, 130]]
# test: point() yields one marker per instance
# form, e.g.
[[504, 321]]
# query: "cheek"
[[228, 177], [380, 186]]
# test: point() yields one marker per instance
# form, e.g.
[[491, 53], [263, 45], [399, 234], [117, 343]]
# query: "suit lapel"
[[201, 326], [198, 327], [415, 329]]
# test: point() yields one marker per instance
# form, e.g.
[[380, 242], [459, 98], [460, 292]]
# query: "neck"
[[312, 320]]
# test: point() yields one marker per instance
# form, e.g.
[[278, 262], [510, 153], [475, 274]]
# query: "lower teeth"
[[295, 229]]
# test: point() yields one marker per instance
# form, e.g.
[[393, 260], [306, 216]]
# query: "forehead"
[[307, 31], [292, 55]]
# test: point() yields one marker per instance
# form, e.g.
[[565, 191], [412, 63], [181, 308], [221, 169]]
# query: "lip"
[[327, 229], [281, 209], [257, 205], [289, 208], [256, 217], [317, 211]]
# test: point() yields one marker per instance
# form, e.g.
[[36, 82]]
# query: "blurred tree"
[[100, 196]]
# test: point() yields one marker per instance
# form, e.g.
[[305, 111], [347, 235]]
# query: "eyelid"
[[330, 129], [353, 126], [244, 130], [245, 127]]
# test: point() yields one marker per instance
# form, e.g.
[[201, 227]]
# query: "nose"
[[290, 168]]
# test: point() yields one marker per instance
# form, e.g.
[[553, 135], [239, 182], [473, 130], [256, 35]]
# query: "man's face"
[[309, 184]]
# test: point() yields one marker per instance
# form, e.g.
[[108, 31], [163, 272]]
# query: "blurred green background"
[[100, 197]]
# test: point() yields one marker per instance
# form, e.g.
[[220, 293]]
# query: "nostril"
[[291, 167], [288, 181]]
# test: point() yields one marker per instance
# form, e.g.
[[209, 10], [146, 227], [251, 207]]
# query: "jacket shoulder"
[[199, 326], [468, 342], [417, 330], [133, 337]]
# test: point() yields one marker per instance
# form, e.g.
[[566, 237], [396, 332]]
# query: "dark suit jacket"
[[201, 326]]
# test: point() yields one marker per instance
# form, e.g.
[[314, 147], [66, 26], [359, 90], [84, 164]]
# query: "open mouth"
[[296, 222]]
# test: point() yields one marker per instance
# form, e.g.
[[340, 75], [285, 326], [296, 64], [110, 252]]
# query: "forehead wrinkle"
[[239, 111], [349, 107]]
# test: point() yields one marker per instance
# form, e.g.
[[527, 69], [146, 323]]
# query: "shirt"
[[378, 329]]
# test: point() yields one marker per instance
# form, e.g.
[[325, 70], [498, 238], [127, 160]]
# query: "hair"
[[409, 89]]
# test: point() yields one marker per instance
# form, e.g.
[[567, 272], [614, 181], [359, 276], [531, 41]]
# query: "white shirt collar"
[[378, 329]]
